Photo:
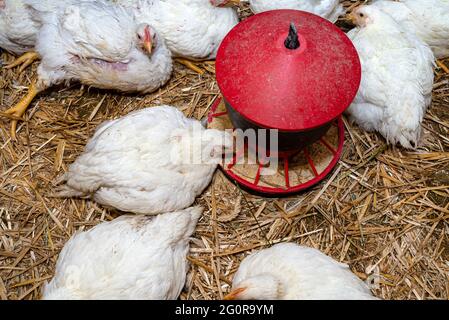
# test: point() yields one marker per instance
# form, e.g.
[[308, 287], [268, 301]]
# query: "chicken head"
[[147, 37], [363, 15], [260, 287]]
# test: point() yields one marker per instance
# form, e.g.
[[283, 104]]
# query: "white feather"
[[429, 19], [133, 163], [191, 28], [18, 30], [288, 271], [96, 43], [131, 257], [397, 79], [328, 9]]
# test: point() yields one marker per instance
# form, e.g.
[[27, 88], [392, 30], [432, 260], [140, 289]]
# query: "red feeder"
[[293, 71]]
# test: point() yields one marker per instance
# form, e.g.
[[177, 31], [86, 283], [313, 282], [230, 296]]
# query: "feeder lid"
[[287, 79]]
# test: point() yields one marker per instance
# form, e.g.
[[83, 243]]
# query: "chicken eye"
[[361, 15], [139, 36]]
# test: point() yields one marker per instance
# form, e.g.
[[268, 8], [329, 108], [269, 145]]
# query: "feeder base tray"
[[295, 172]]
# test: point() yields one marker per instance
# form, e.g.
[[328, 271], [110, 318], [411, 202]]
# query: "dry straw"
[[384, 210]]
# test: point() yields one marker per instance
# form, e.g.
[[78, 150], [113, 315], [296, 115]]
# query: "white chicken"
[[429, 19], [98, 44], [287, 271], [150, 161], [18, 32], [19, 29], [397, 77], [328, 9], [131, 257], [192, 29]]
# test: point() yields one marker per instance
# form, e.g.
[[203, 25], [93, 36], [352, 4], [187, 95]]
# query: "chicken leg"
[[23, 61], [191, 65], [19, 109]]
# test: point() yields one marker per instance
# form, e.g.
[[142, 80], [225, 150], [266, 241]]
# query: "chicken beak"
[[352, 17], [148, 46], [233, 294]]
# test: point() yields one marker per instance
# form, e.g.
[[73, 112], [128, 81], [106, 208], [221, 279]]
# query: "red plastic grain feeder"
[[293, 71]]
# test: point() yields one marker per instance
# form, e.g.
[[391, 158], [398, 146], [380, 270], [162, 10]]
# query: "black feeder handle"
[[292, 41]]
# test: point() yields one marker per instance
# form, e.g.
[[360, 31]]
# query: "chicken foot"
[[19, 109], [443, 66], [190, 64], [23, 61]]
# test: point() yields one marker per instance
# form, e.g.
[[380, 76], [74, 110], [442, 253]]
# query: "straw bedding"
[[383, 210]]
